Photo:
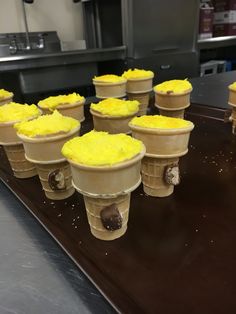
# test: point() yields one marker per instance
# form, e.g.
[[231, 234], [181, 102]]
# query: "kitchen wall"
[[64, 16]]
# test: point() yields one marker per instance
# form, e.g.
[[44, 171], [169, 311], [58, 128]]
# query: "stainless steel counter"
[[30, 61], [36, 276]]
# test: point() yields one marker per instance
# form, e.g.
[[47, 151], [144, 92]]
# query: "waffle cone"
[[111, 124], [117, 179], [21, 167], [47, 175], [93, 209], [172, 113], [163, 143], [6, 100], [153, 176], [143, 99], [75, 110], [139, 85], [110, 90], [46, 149], [233, 119], [232, 97], [173, 101]]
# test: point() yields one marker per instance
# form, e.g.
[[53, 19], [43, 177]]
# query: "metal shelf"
[[216, 42]]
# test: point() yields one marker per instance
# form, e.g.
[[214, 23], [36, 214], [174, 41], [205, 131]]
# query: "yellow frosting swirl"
[[54, 101], [116, 107], [173, 86], [109, 78], [101, 148], [47, 125], [160, 122], [233, 86], [18, 112], [5, 94], [137, 74]]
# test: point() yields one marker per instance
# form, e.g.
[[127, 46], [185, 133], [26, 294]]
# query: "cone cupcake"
[[113, 115], [9, 115], [5, 97], [232, 103], [143, 99], [166, 139], [43, 139], [105, 170], [138, 87], [173, 97], [110, 86], [71, 105]]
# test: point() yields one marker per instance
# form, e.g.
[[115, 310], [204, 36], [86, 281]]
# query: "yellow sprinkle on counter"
[[116, 107], [160, 122], [47, 124], [101, 148], [18, 112], [233, 86], [5, 94], [109, 78], [53, 102], [137, 74], [173, 86]]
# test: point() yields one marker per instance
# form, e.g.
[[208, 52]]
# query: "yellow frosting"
[[160, 122], [5, 94], [109, 78], [233, 86], [101, 148], [47, 124], [173, 86], [54, 101], [116, 107], [137, 74], [17, 112]]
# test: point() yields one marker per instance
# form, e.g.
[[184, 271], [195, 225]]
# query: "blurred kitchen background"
[[49, 47]]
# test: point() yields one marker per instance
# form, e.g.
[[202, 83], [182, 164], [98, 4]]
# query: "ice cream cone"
[[139, 85], [54, 172], [56, 179], [233, 119], [15, 153], [46, 148], [232, 103], [102, 231], [6, 100], [172, 101], [160, 170], [75, 110], [121, 178], [106, 189], [154, 179], [232, 97], [21, 167], [105, 170], [110, 90], [171, 113], [143, 99], [111, 124]]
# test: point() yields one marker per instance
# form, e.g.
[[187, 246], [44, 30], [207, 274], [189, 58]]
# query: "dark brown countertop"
[[212, 90], [178, 255]]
